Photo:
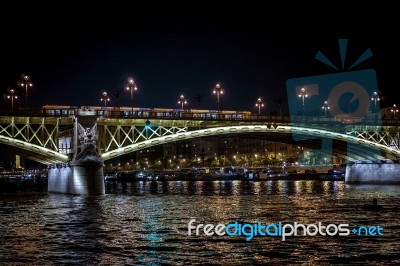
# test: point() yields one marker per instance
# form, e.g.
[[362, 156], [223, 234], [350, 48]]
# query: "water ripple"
[[146, 223]]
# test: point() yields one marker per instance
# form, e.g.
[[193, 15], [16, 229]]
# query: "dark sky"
[[72, 59]]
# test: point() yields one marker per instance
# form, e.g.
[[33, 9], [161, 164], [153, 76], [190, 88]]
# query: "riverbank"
[[252, 176], [21, 185]]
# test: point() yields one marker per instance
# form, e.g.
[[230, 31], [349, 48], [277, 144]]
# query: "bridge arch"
[[317, 133], [35, 152]]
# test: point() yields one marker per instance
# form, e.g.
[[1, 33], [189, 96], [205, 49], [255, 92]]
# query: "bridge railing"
[[32, 112], [196, 115]]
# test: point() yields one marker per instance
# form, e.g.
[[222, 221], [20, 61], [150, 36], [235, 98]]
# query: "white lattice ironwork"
[[115, 137], [34, 135], [43, 134], [386, 138]]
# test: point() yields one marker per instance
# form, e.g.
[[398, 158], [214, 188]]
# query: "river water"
[[146, 223]]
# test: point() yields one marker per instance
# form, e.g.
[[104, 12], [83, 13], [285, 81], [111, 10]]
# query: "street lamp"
[[326, 106], [259, 104], [104, 98], [132, 87], [25, 82], [182, 101], [375, 98], [12, 95], [218, 91], [303, 94], [394, 110]]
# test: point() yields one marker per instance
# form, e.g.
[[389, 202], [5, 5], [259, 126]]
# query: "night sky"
[[71, 60]]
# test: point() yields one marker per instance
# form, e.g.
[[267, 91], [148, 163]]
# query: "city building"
[[231, 148]]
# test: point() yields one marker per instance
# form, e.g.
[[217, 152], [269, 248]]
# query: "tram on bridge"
[[61, 110]]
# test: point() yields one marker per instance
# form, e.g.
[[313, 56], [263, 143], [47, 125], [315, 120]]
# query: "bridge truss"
[[387, 138], [36, 137], [50, 139]]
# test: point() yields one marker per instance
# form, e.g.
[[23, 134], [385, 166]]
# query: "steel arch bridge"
[[50, 139], [159, 137]]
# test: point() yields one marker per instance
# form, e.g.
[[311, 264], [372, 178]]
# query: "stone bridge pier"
[[78, 178], [84, 174]]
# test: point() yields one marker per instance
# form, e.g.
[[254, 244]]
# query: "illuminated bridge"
[[53, 138]]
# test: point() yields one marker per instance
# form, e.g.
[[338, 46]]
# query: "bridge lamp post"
[[259, 104], [375, 98], [303, 94], [182, 101], [131, 86], [394, 110], [104, 98], [12, 95], [25, 83], [218, 91], [326, 107]]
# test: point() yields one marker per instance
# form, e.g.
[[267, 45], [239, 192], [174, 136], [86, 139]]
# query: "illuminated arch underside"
[[48, 156], [35, 152], [317, 133]]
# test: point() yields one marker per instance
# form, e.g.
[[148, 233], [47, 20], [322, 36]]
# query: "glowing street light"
[[25, 83], [182, 101], [394, 110], [259, 104], [218, 91], [12, 96], [375, 98], [131, 86], [326, 107], [303, 94], [104, 98]]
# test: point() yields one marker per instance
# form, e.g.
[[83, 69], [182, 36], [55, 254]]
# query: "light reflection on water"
[[146, 222]]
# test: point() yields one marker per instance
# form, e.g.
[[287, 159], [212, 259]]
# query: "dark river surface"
[[146, 223]]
